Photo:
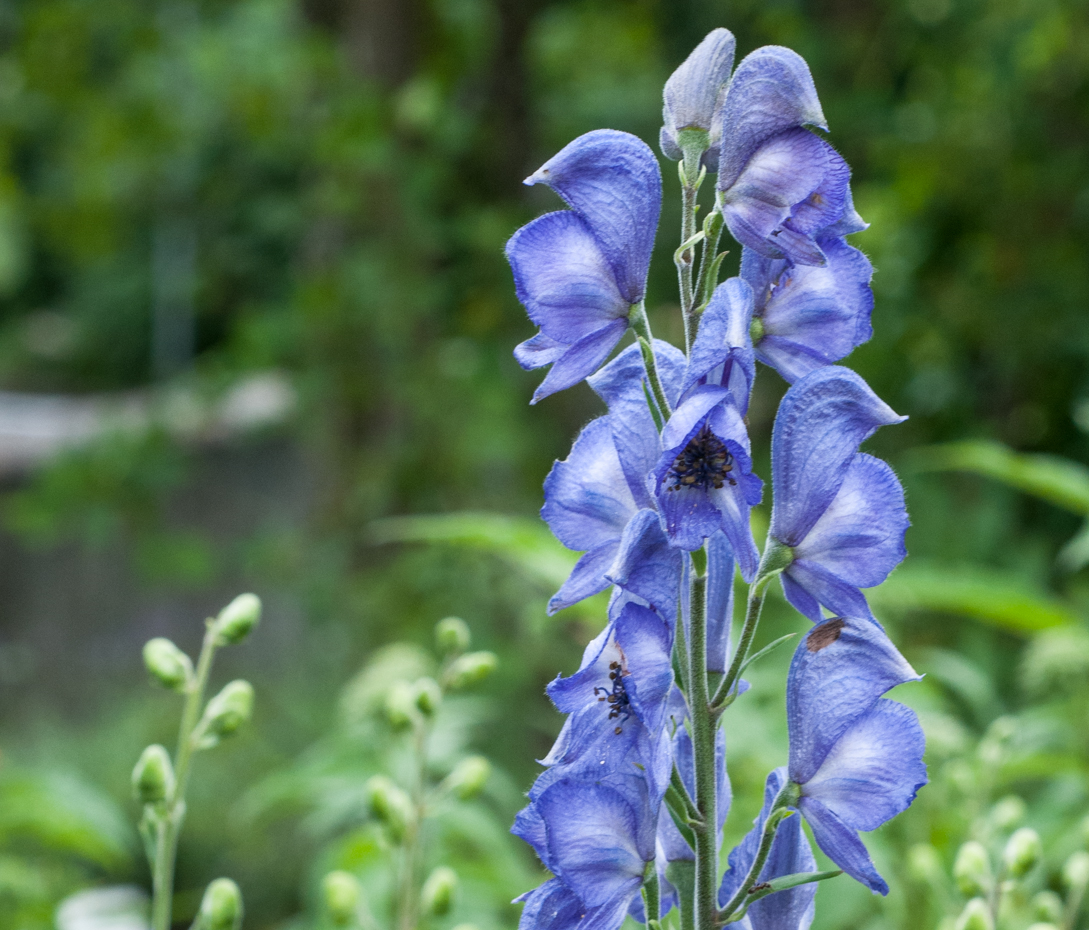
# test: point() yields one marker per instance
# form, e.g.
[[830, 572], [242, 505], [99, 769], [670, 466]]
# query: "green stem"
[[166, 845], [703, 744], [705, 283], [775, 817], [408, 918], [685, 260], [651, 897], [641, 325]]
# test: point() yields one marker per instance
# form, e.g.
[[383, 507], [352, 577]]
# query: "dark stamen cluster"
[[617, 696], [704, 463]]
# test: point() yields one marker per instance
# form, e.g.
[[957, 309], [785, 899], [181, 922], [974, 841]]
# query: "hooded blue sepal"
[[857, 757], [723, 352], [809, 316], [790, 854]]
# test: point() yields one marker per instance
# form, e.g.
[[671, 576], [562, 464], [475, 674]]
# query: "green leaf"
[[763, 652], [1059, 481], [987, 595], [783, 882]]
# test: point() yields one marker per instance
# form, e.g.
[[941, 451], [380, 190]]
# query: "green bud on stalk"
[[226, 712], [237, 619], [1008, 812], [342, 896], [389, 804], [925, 863], [437, 896], [972, 870], [1047, 906], [153, 776], [1023, 852], [221, 907], [427, 696], [168, 665], [471, 668], [1076, 871], [452, 636], [469, 777], [401, 709], [975, 916]]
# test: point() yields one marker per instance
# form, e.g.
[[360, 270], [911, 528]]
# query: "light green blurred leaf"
[[1059, 481]]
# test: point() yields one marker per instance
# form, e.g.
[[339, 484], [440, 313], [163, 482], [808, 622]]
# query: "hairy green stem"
[[775, 817], [409, 916], [651, 897], [641, 325], [703, 744], [169, 828]]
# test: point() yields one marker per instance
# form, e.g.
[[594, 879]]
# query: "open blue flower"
[[840, 512], [808, 316], [597, 838], [579, 272], [780, 187], [722, 353], [693, 95], [856, 757], [790, 853], [703, 481]]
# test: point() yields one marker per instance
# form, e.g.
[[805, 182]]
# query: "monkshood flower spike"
[[838, 519], [581, 273]]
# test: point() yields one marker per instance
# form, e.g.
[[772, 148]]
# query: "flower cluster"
[[656, 493]]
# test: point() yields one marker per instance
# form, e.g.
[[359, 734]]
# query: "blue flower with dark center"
[[839, 512], [580, 272], [780, 187], [855, 757], [790, 853], [808, 316]]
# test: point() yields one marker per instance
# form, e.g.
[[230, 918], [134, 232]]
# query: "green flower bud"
[[925, 864], [972, 870], [389, 804], [469, 776], [1047, 907], [437, 895], [975, 916], [1023, 852], [237, 619], [452, 636], [342, 896], [1076, 871], [221, 906], [226, 712], [168, 665], [427, 696], [1008, 812], [471, 668], [401, 709], [153, 776]]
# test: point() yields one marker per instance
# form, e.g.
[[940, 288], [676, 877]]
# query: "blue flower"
[[780, 187], [722, 353], [693, 95], [579, 272], [617, 702], [808, 316], [703, 481], [857, 758], [840, 512], [790, 853], [598, 839]]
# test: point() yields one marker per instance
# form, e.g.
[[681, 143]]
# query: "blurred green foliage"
[[191, 190]]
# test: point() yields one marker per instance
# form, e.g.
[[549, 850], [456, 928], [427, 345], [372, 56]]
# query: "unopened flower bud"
[[401, 709], [1023, 852], [452, 635], [342, 895], [972, 869], [153, 776], [437, 895], [925, 863], [227, 711], [1076, 871], [237, 619], [1008, 812], [427, 696], [1047, 906], [975, 916], [389, 804], [471, 668], [221, 906], [167, 664], [469, 777]]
